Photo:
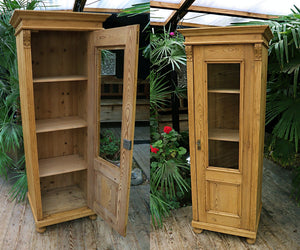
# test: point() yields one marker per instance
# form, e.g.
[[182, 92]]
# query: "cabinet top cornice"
[[56, 20], [227, 35]]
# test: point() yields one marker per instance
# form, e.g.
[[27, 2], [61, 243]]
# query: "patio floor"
[[279, 226], [17, 229]]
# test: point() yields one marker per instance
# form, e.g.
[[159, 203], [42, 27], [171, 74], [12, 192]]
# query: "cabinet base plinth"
[[250, 235], [64, 216], [251, 241], [93, 217], [40, 229], [197, 230]]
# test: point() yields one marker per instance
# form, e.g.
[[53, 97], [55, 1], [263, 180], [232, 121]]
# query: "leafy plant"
[[137, 9], [159, 207], [166, 53], [159, 91], [11, 138], [167, 49], [168, 173], [283, 89], [109, 145]]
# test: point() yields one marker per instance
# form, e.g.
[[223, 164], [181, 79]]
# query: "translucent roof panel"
[[159, 15], [270, 7], [170, 1], [113, 4], [211, 19], [105, 4]]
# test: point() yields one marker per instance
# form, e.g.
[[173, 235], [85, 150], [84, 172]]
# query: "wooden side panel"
[[91, 117], [262, 128], [201, 128], [192, 141], [28, 120], [258, 130], [110, 197]]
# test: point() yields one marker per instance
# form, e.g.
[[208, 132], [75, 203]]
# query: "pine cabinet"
[[227, 73], [59, 64]]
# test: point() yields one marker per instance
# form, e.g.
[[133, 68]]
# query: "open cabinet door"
[[108, 180]]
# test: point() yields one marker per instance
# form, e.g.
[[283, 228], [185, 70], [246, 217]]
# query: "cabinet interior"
[[59, 64]]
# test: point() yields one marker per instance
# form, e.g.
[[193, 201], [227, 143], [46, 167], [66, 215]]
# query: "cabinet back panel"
[[223, 111], [55, 100], [64, 180], [223, 154], [60, 143], [223, 75], [57, 53]]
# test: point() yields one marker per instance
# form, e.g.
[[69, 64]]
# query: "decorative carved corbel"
[[189, 53], [27, 39], [258, 51]]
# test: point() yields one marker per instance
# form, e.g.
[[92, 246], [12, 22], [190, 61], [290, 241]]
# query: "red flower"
[[172, 34], [167, 129], [154, 150]]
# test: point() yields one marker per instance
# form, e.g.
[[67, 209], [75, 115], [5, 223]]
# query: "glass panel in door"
[[110, 111], [223, 81]]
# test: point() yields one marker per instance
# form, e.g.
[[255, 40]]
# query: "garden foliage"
[[109, 145], [169, 173], [12, 160], [170, 182], [283, 91]]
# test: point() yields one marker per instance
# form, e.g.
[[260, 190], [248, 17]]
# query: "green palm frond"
[[159, 91], [5, 163], [19, 188], [288, 126], [167, 50], [136, 9], [167, 175], [159, 208], [11, 138]]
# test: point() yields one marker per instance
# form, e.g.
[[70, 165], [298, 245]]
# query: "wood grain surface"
[[17, 229], [279, 226]]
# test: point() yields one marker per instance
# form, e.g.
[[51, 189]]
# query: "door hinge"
[[127, 144], [199, 144]]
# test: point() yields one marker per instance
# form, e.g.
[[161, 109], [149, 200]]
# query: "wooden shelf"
[[68, 78], [61, 165], [64, 123], [62, 199], [224, 91], [223, 135]]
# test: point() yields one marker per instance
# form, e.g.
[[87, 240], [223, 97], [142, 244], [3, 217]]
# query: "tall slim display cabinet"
[[59, 63], [227, 73]]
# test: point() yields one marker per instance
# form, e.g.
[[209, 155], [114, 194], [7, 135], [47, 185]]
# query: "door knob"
[[199, 144]]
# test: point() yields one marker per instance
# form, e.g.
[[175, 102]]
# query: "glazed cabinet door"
[[111, 121], [223, 180]]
